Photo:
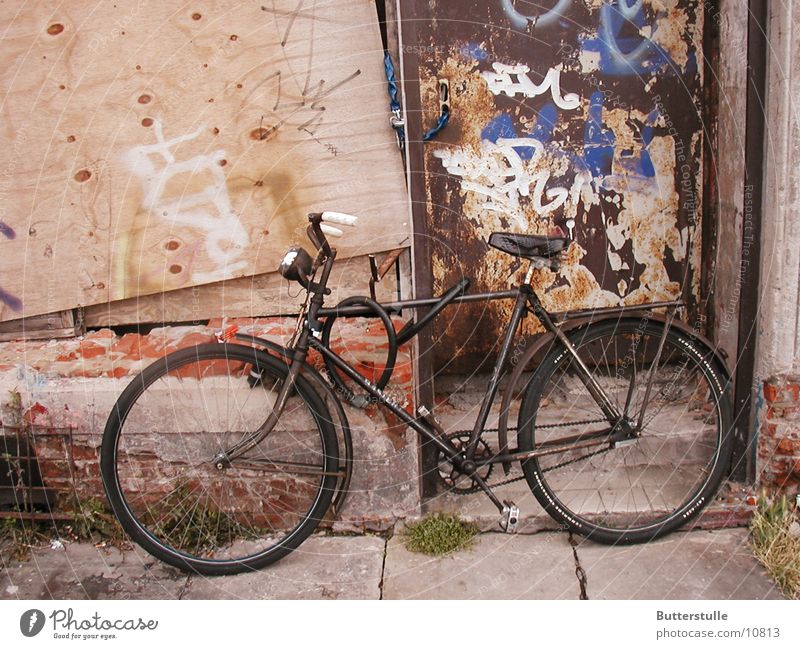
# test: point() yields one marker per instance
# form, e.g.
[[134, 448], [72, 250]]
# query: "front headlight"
[[296, 265]]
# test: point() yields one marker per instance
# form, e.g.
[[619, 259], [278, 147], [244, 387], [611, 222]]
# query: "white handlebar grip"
[[330, 231], [340, 218]]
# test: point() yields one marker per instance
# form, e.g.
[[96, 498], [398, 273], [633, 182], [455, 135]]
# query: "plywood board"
[[244, 297], [147, 147]]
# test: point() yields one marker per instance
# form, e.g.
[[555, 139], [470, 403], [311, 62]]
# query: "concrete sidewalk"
[[686, 565]]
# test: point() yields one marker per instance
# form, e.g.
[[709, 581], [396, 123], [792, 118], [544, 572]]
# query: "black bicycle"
[[225, 457]]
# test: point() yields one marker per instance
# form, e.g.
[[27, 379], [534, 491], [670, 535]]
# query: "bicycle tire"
[[654, 484], [164, 431]]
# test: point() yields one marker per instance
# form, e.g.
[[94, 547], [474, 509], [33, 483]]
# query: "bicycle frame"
[[526, 301], [525, 298]]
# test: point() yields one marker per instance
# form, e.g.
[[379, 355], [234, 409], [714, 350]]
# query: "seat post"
[[529, 274]]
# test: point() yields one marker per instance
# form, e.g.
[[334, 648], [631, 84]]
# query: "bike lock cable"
[[391, 337]]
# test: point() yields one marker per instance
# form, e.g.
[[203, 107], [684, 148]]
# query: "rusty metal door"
[[583, 115]]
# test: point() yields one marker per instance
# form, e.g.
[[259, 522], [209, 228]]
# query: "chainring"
[[453, 479]]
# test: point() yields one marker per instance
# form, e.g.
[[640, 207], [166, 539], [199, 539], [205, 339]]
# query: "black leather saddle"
[[528, 246]]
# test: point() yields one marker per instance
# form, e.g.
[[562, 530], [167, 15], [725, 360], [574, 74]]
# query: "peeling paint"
[[563, 128]]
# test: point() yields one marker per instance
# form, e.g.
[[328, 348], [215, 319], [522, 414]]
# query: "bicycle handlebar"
[[319, 230]]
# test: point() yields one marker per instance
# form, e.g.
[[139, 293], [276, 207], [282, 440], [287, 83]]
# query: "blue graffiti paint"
[[646, 168], [474, 51], [12, 301], [502, 126], [545, 123], [598, 142], [7, 230], [691, 64], [622, 55]]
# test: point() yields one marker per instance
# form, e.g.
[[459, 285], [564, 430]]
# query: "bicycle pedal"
[[509, 518]]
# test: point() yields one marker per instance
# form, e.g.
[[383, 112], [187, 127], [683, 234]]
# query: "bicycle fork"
[[223, 460]]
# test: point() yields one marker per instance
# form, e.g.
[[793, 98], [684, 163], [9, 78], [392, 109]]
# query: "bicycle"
[[226, 456]]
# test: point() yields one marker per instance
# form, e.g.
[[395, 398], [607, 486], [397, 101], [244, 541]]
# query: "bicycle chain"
[[560, 465]]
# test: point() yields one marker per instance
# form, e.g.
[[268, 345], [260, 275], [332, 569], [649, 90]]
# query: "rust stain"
[[612, 154]]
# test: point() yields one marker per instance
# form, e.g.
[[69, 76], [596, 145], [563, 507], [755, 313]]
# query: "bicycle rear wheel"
[[158, 466], [653, 484]]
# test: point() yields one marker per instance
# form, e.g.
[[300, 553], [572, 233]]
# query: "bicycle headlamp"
[[296, 265]]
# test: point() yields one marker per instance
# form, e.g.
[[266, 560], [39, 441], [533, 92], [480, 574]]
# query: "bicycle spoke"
[[640, 484], [199, 403]]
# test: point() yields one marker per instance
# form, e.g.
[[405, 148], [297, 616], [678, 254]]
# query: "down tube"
[[380, 397]]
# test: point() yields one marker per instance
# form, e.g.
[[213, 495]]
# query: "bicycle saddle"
[[527, 245]]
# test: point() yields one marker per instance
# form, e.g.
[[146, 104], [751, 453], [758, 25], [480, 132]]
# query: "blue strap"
[[394, 105], [440, 124]]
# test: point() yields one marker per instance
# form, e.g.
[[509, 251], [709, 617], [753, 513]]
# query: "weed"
[[18, 536], [89, 521], [186, 525], [776, 543], [439, 534]]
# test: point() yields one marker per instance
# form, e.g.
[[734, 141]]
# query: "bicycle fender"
[[719, 354], [572, 324], [330, 397]]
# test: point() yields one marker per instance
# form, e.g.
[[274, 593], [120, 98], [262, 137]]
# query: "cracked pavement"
[[685, 565]]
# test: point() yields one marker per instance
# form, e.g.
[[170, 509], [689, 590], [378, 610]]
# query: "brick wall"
[[778, 463], [66, 389]]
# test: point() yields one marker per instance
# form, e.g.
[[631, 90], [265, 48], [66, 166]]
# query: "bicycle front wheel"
[[645, 487], [177, 502]]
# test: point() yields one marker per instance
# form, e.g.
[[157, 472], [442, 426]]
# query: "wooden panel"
[[148, 147], [245, 297], [41, 327]]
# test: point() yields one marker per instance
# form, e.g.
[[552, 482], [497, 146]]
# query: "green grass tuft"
[[90, 521], [774, 545], [439, 534]]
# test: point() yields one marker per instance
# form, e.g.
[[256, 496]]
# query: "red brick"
[[36, 414], [195, 338], [85, 372], [770, 392], [117, 372], [128, 345], [100, 335], [81, 452], [779, 390], [788, 447], [88, 349]]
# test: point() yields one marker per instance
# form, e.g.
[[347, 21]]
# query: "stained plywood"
[[244, 297], [149, 147]]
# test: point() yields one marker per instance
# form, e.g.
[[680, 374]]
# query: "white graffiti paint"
[[502, 81], [546, 19], [501, 175], [208, 210]]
